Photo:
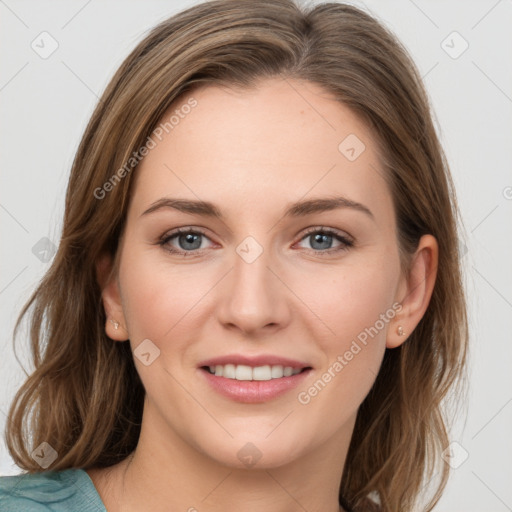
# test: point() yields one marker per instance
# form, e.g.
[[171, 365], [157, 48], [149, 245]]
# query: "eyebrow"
[[298, 209]]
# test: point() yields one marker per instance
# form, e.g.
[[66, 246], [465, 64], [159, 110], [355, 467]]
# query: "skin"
[[252, 152]]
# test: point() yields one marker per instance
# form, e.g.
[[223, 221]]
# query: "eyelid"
[[182, 229]]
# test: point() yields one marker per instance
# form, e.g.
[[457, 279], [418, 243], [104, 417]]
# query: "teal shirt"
[[70, 490]]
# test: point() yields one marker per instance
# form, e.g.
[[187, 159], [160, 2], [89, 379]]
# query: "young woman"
[[256, 303]]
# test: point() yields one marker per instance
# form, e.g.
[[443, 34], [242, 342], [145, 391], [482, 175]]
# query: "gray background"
[[46, 103]]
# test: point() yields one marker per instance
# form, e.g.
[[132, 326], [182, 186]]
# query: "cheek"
[[352, 358], [158, 297], [354, 312], [358, 299]]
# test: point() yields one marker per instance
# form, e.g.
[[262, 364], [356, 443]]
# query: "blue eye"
[[321, 240], [188, 241]]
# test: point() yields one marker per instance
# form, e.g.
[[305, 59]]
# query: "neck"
[[166, 473]]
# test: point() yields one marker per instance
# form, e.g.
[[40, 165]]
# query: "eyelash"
[[346, 243]]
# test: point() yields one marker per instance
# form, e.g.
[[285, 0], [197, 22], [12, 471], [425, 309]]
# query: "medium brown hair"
[[85, 397]]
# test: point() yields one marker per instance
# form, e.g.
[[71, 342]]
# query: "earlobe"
[[119, 332], [419, 286], [115, 325], [397, 333]]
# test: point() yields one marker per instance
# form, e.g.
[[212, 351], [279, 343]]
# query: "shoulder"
[[55, 491]]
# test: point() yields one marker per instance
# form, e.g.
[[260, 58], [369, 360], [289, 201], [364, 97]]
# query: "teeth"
[[276, 372], [262, 373], [244, 372], [229, 371]]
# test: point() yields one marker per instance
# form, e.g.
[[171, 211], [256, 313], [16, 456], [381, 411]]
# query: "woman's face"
[[292, 262]]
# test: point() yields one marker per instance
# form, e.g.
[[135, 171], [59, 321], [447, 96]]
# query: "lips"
[[253, 379]]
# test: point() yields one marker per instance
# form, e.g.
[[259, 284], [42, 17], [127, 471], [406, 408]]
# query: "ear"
[[415, 291], [115, 326]]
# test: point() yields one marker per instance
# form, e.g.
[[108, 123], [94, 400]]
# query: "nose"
[[253, 299]]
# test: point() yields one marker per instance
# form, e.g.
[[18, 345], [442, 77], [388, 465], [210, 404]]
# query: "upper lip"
[[260, 360]]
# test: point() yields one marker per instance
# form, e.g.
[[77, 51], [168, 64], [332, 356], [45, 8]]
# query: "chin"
[[256, 452]]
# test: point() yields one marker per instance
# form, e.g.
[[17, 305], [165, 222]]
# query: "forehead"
[[281, 140]]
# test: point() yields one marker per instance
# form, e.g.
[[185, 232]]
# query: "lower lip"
[[253, 391]]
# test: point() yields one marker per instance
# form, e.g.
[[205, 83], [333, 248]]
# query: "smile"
[[253, 379], [245, 372]]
